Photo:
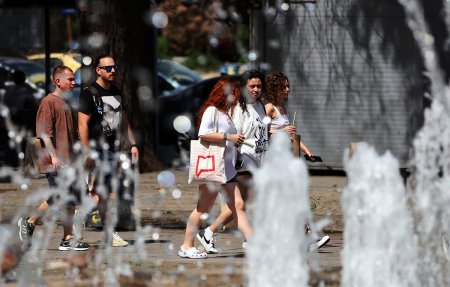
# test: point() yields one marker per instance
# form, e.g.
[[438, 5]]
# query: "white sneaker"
[[208, 244], [320, 241], [117, 241]]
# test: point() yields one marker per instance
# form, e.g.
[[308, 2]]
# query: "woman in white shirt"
[[222, 98], [248, 117], [276, 96]]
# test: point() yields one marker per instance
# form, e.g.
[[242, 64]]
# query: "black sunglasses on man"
[[109, 68]]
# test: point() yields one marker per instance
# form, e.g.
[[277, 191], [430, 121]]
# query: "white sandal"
[[192, 253]]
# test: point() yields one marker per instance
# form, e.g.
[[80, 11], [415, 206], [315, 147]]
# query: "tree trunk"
[[132, 42]]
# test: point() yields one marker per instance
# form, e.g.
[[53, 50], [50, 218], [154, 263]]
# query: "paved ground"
[[155, 261]]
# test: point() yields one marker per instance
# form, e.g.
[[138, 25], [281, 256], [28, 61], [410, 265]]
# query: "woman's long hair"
[[252, 74], [275, 83], [223, 96]]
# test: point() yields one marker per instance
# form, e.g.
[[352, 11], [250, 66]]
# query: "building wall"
[[355, 75], [21, 28]]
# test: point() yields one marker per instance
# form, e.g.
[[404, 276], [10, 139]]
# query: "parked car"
[[71, 60], [22, 101], [35, 72], [173, 77]]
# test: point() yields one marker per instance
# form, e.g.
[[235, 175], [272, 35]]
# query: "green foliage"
[[202, 61], [199, 28], [163, 48]]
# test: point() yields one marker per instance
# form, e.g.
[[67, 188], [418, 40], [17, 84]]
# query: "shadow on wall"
[[346, 49]]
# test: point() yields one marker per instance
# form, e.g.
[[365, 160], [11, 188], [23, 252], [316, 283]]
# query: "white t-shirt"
[[225, 125], [250, 124]]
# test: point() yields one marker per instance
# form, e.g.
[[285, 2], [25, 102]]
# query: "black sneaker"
[[26, 230], [208, 244], [68, 244]]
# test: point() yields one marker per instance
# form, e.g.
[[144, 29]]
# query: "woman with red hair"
[[215, 125]]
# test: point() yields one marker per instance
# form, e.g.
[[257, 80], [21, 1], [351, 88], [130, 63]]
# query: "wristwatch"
[[225, 136]]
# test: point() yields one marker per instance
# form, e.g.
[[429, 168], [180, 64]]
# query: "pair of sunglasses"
[[109, 68]]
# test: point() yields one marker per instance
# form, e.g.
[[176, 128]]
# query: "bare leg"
[[68, 223], [204, 205], [40, 212], [239, 214], [241, 194]]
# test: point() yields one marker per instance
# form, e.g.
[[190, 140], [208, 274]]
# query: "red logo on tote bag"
[[204, 164]]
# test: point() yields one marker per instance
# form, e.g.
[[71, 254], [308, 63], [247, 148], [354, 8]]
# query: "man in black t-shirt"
[[101, 118]]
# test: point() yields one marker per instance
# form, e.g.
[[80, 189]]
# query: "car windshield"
[[177, 75], [27, 67]]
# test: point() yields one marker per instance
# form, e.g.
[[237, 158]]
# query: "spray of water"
[[430, 181], [277, 251], [379, 241]]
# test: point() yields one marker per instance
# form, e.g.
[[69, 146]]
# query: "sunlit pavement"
[[158, 262]]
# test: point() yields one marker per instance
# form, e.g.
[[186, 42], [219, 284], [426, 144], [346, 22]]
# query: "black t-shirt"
[[105, 109]]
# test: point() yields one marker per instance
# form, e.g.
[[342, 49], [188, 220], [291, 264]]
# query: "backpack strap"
[[96, 98]]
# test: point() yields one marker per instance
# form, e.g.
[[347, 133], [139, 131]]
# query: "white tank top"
[[279, 121]]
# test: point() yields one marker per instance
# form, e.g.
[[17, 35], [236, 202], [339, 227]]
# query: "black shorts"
[[74, 196], [234, 179], [240, 173]]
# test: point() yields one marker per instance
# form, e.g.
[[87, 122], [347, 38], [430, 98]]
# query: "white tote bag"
[[207, 162]]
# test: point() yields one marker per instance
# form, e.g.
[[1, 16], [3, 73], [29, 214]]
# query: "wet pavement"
[[155, 261]]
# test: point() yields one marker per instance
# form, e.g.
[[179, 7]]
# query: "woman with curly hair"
[[222, 98], [275, 98]]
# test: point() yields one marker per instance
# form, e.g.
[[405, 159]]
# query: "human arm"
[[305, 149], [83, 132], [220, 137], [45, 129], [208, 130], [134, 147], [51, 151]]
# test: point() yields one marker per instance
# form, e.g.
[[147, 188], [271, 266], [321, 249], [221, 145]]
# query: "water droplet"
[[21, 155], [201, 60], [284, 6], [252, 56], [274, 44], [204, 277], [213, 41], [155, 236], [310, 6], [221, 13], [182, 124], [270, 12], [144, 93], [181, 268], [126, 165], [160, 19], [267, 120], [96, 40], [87, 60], [24, 186], [77, 147], [171, 246], [429, 55], [166, 179], [176, 193], [204, 216]]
